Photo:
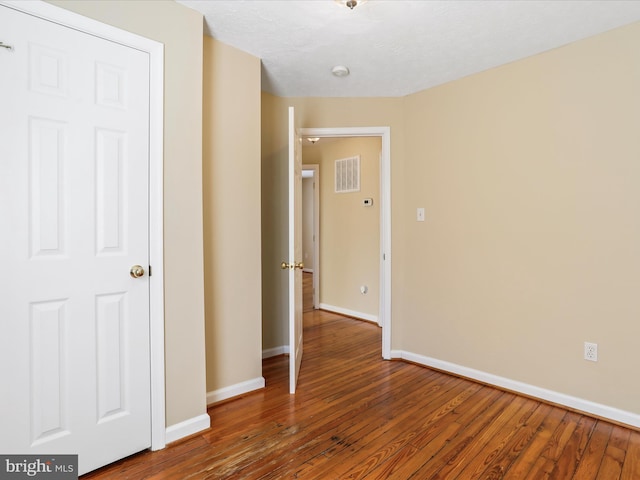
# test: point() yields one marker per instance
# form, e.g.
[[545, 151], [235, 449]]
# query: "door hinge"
[[150, 271]]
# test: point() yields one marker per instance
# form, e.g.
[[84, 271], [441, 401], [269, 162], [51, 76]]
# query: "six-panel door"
[[74, 348]]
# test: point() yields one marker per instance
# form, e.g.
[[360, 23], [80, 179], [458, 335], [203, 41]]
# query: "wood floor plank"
[[614, 454], [356, 415], [501, 421], [525, 462], [323, 440], [404, 421], [569, 457], [496, 441], [510, 449], [590, 464], [413, 434], [545, 464], [434, 434], [631, 467], [478, 418]]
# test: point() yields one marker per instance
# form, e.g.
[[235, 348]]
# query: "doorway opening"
[[384, 308]]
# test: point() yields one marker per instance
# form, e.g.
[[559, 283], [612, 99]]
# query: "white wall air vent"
[[348, 175]]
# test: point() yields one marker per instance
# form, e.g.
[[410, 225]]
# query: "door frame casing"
[[155, 50], [385, 216]]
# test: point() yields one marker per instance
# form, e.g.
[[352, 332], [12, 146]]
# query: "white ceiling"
[[397, 47]]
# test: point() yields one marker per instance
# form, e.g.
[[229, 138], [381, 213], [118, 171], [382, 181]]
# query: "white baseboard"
[[349, 313], [186, 428], [597, 409], [274, 352], [235, 390]]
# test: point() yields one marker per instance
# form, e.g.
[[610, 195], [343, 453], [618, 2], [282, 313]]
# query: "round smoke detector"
[[340, 71]]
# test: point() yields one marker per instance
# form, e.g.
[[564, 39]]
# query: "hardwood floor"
[[307, 292], [358, 416]]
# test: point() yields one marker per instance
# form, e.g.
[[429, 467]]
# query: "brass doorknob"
[[291, 266], [136, 271]]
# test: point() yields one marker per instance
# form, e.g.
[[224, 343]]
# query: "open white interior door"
[[294, 265]]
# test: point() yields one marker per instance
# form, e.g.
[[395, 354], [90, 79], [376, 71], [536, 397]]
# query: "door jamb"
[[385, 216], [316, 231], [155, 50]]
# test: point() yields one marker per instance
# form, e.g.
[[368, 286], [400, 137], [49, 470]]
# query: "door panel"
[[295, 253], [74, 212], [46, 190]]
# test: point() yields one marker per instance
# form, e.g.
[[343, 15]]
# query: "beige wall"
[[349, 232], [180, 29], [529, 177], [232, 213]]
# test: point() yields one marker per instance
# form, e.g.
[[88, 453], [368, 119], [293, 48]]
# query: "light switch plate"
[[420, 214]]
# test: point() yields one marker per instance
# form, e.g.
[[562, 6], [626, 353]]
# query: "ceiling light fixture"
[[313, 139], [350, 3], [340, 71]]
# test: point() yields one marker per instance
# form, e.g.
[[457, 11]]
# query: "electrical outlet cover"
[[591, 351]]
